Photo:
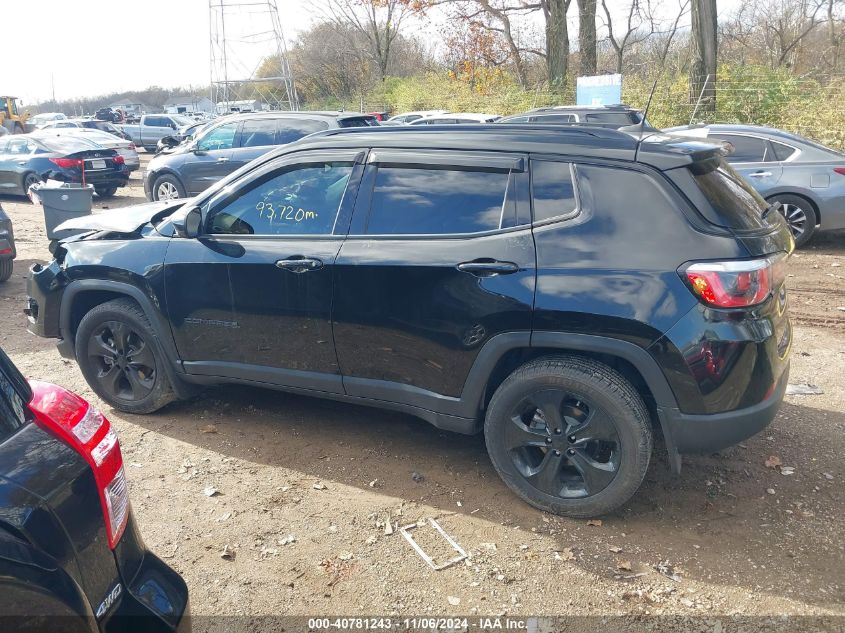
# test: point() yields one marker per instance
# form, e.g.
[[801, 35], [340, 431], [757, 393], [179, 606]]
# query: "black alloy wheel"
[[125, 364], [562, 445]]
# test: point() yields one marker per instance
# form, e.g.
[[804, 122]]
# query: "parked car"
[[609, 116], [7, 246], [182, 135], [109, 114], [408, 117], [103, 139], [71, 556], [30, 158], [152, 127], [551, 286], [805, 177], [453, 118], [230, 143], [45, 118], [94, 124]]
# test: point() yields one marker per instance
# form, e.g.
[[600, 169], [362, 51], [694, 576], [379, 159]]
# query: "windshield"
[[181, 120]]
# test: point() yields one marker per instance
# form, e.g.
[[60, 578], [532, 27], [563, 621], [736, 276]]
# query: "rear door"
[[211, 158], [439, 260], [8, 180], [277, 235], [754, 159]]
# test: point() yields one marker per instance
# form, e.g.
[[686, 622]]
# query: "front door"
[[439, 260], [210, 160], [277, 234]]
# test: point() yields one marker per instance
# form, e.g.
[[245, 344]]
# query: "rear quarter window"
[[733, 203], [14, 394]]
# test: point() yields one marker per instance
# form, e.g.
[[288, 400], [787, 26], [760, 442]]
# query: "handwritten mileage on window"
[[284, 213]]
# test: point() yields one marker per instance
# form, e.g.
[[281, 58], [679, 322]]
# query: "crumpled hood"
[[124, 220]]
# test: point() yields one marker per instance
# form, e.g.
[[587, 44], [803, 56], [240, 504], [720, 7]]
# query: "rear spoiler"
[[665, 151]]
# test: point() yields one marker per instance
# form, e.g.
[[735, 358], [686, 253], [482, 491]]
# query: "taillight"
[[736, 284], [66, 163], [118, 159], [839, 170], [87, 431]]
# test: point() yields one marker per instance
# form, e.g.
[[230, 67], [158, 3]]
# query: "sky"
[[85, 48]]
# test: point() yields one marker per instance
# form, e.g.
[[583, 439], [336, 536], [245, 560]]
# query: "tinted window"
[[555, 118], [221, 137], [258, 133], [14, 394], [156, 121], [516, 119], [746, 149], [290, 130], [301, 200], [412, 117], [436, 201], [734, 200], [616, 118], [781, 151], [360, 121], [552, 190]]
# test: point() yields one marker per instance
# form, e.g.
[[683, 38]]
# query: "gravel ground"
[[306, 490]]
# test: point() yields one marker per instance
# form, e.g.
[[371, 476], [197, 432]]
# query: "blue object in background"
[[599, 90]]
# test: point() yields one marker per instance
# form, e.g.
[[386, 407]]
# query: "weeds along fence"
[[814, 108]]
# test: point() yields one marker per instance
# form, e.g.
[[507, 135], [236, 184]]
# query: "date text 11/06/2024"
[[420, 624]]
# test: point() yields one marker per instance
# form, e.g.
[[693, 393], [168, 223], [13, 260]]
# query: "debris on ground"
[[228, 552], [773, 461], [803, 389], [406, 532], [211, 491], [418, 477]]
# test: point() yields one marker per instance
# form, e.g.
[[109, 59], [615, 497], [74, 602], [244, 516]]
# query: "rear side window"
[[555, 118], [615, 118], [437, 201], [781, 151], [735, 202], [290, 130], [746, 149], [258, 133], [552, 190], [14, 394]]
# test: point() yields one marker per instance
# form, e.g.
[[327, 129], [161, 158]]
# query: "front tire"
[[569, 435], [120, 358], [800, 216], [167, 187]]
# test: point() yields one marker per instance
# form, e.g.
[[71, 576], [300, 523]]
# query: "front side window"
[[552, 190], [221, 137], [408, 200], [299, 200]]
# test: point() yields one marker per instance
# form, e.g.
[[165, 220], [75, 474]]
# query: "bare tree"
[[639, 26], [703, 42], [587, 41], [379, 21]]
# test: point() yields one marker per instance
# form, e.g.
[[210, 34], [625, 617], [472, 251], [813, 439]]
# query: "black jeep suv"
[[569, 291]]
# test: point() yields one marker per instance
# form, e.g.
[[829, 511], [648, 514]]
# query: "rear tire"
[[29, 180], [6, 267], [800, 216], [569, 435], [120, 357], [105, 192]]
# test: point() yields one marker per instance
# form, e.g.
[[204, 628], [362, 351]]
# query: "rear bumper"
[[699, 433]]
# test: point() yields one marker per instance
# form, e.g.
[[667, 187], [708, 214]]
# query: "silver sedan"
[[807, 178]]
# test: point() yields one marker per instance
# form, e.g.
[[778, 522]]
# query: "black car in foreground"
[[71, 557], [26, 160], [569, 291], [7, 246]]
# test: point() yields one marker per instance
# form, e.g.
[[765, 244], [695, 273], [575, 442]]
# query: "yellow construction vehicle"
[[11, 116]]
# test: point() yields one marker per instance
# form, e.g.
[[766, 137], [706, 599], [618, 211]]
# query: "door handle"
[[488, 267], [222, 160], [298, 264], [760, 174]]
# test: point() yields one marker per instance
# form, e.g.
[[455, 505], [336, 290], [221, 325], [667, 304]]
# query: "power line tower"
[[245, 40]]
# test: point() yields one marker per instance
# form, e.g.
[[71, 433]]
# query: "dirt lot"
[[306, 486]]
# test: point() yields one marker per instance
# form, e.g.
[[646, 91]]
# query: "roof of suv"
[[326, 114], [659, 150]]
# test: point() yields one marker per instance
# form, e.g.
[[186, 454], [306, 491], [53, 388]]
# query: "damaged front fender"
[[125, 219]]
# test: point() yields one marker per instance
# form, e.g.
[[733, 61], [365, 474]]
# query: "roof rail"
[[477, 128]]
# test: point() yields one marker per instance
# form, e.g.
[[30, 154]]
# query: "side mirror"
[[187, 223], [197, 150]]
